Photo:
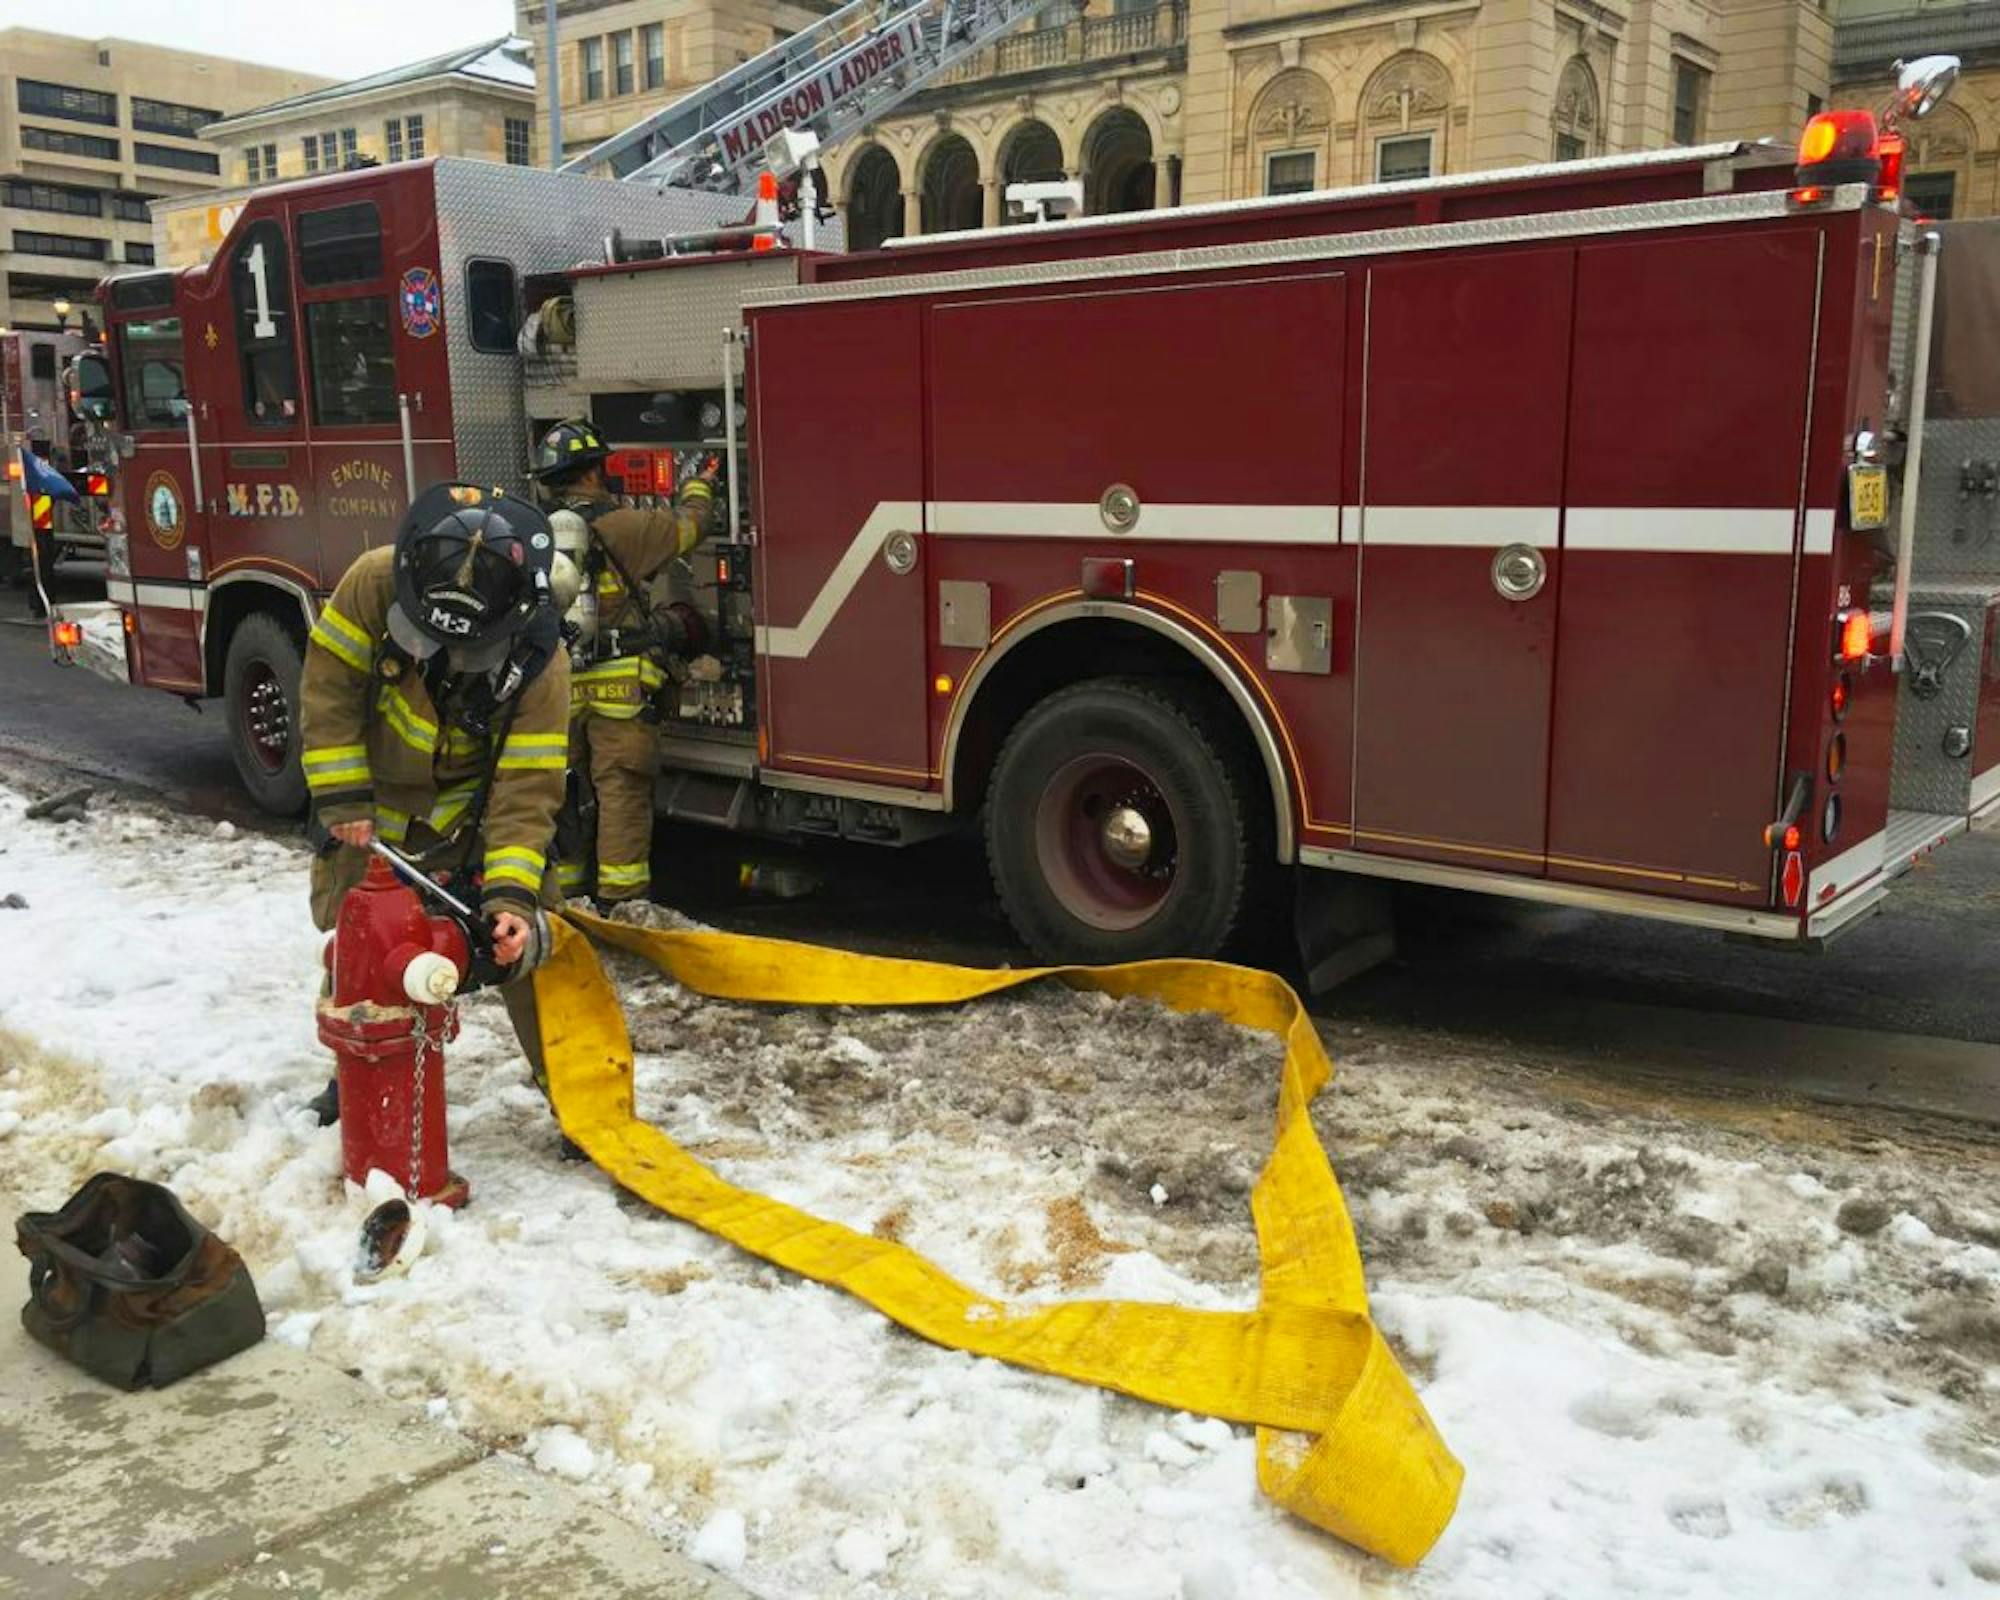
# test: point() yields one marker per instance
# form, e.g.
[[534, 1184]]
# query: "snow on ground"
[[1678, 1355]]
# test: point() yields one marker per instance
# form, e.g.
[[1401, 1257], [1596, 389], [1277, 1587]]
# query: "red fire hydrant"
[[388, 1017]]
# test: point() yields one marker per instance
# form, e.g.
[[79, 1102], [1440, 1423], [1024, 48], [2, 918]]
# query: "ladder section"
[[849, 68]]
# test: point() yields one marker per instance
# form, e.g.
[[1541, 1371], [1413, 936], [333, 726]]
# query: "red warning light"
[[68, 635], [1793, 838], [1794, 877], [1889, 186], [1857, 636]]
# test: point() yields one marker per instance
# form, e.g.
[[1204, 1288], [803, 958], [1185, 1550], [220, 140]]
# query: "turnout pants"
[[622, 757]]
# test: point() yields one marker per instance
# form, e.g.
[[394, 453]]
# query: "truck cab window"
[[353, 361], [260, 286], [491, 305], [342, 244], [155, 388]]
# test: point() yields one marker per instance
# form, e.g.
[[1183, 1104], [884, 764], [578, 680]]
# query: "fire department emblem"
[[165, 519], [422, 302]]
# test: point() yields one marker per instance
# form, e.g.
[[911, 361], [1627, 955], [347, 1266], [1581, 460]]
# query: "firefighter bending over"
[[435, 718], [618, 650]]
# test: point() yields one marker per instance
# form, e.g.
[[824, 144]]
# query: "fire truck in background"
[[1563, 533], [35, 415]]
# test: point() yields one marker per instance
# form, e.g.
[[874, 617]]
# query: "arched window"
[[1405, 113], [874, 199], [1117, 164], [1289, 125], [1031, 153], [950, 185], [1577, 118]]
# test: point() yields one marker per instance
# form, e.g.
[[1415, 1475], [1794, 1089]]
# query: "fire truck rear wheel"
[[1120, 824], [260, 690]]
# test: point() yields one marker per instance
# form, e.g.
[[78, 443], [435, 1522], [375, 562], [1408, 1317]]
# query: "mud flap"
[[1342, 1439], [1343, 925]]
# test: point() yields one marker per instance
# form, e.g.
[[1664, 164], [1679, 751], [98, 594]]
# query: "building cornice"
[[1353, 12], [337, 106]]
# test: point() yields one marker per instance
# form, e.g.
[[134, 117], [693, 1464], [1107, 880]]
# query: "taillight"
[[1836, 758], [68, 635], [131, 622], [1889, 151], [1843, 691], [1829, 820], [1857, 636]]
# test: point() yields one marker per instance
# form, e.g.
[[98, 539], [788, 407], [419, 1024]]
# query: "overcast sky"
[[338, 38]]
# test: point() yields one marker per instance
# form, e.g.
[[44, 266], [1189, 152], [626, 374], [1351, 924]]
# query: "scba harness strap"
[[484, 710]]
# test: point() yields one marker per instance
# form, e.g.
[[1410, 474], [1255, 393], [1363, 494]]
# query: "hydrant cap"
[[430, 979]]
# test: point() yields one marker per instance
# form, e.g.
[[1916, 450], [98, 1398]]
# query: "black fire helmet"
[[472, 569], [566, 449]]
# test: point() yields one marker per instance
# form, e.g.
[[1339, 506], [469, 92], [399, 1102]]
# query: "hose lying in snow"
[[1342, 1439]]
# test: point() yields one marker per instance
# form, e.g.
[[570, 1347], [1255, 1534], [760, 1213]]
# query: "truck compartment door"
[[1687, 437], [1466, 395], [838, 505]]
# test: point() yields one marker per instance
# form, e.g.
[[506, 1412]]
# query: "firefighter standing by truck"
[[435, 718], [617, 648]]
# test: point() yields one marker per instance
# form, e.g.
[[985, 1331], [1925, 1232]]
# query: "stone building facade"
[[92, 133], [1182, 101]]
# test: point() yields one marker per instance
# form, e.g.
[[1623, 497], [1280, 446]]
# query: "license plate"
[[1867, 497]]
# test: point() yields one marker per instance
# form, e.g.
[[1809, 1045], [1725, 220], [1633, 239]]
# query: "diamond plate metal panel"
[[661, 328], [1925, 776], [1958, 533], [540, 221]]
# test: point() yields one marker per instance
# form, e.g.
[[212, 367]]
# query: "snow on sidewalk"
[[1671, 1361]]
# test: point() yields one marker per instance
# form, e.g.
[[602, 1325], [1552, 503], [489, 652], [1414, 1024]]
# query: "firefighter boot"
[[624, 756]]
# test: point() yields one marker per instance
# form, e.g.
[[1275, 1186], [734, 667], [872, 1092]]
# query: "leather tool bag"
[[126, 1285]]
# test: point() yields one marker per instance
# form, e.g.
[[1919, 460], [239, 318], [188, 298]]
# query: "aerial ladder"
[[850, 68]]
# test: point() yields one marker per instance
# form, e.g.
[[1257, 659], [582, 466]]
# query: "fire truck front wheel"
[[1119, 824], [260, 689]]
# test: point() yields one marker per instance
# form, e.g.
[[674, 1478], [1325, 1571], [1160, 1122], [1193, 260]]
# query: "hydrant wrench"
[[485, 970]]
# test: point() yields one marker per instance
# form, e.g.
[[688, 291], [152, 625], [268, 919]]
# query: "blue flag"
[[40, 478]]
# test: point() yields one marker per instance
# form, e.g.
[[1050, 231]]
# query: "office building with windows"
[[477, 101], [92, 132], [620, 60]]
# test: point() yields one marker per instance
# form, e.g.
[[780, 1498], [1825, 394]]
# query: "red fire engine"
[[1551, 533], [35, 416]]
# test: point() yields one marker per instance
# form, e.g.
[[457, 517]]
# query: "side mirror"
[[1920, 86], [91, 396]]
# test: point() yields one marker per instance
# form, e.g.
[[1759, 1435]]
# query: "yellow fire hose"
[[1342, 1439]]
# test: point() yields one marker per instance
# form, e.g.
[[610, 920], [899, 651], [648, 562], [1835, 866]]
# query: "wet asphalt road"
[[1903, 1008]]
